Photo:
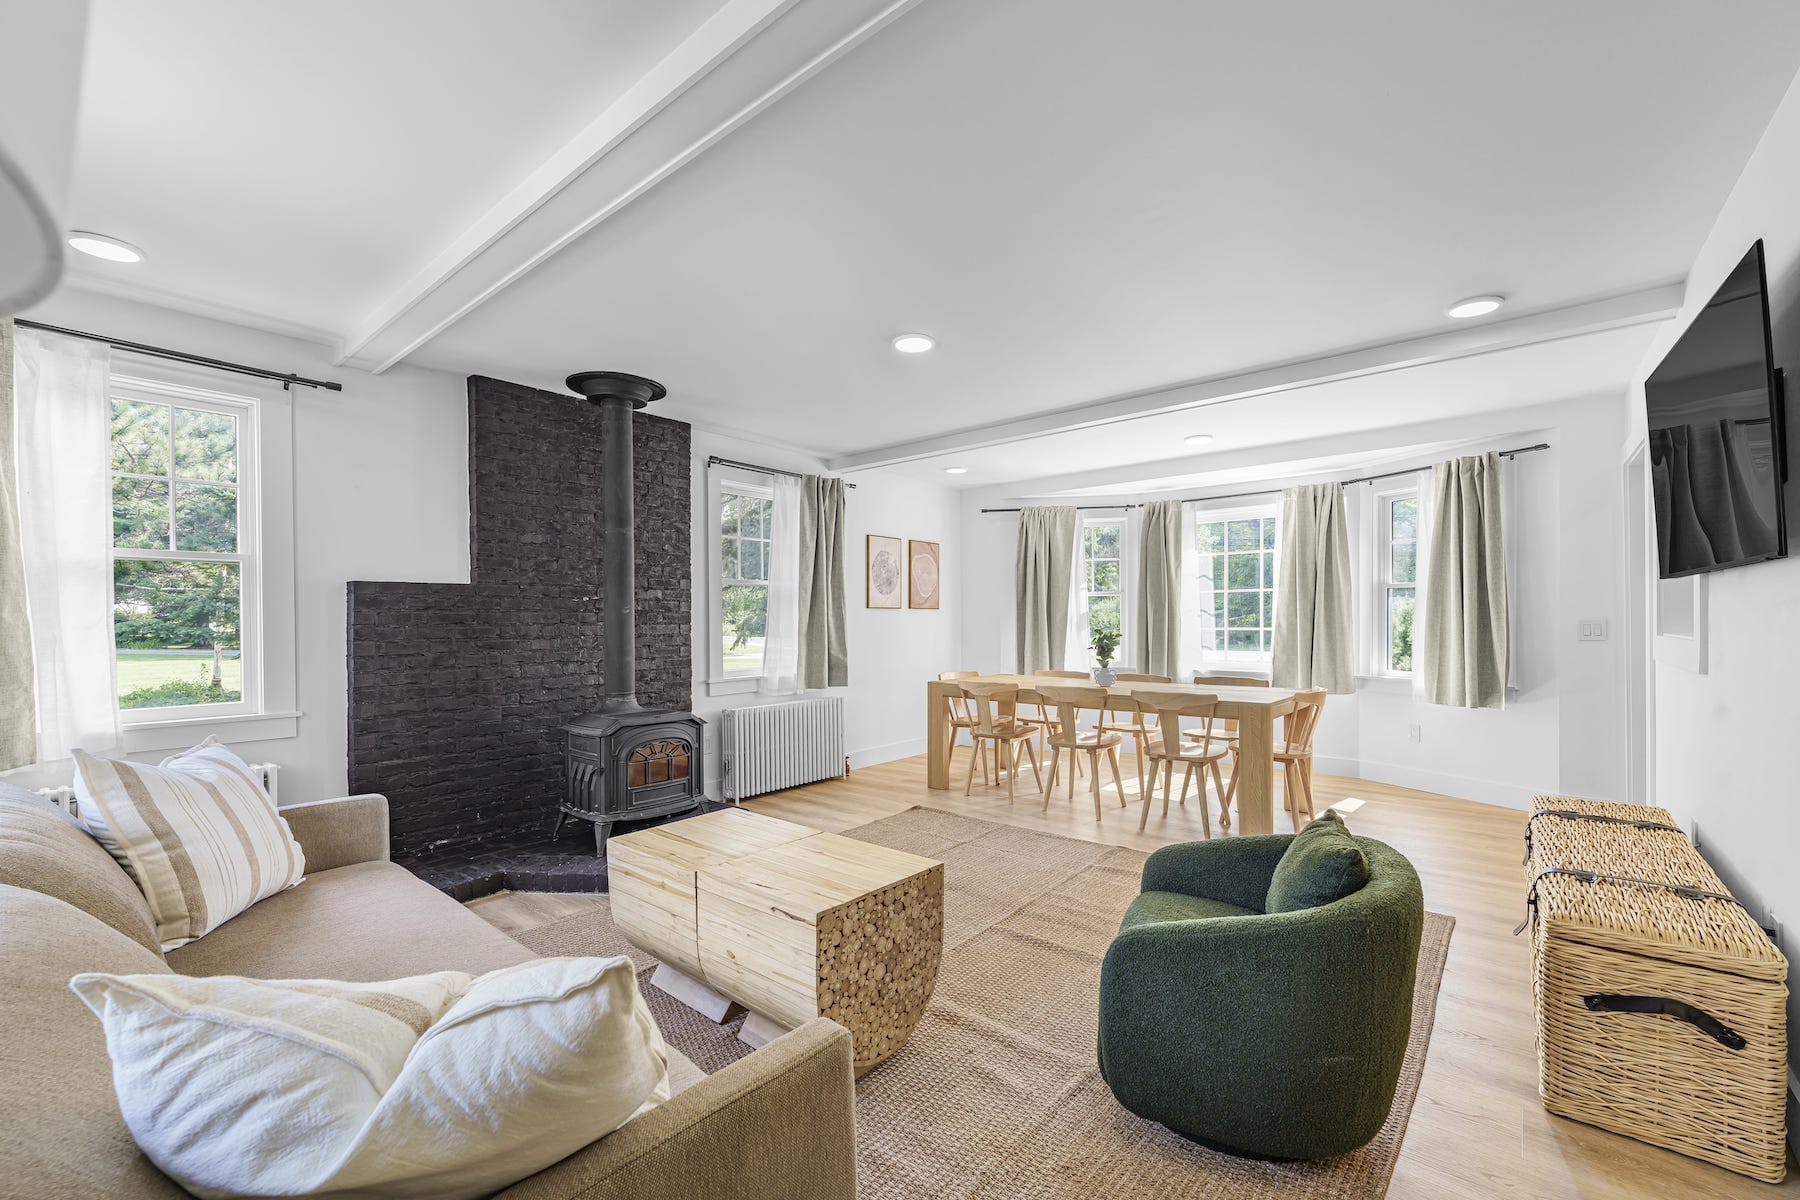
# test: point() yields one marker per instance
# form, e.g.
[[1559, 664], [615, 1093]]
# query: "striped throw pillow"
[[197, 833]]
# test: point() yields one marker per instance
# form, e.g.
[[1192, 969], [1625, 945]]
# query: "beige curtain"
[[1159, 588], [1314, 643], [824, 659], [1041, 586], [1465, 644], [18, 687]]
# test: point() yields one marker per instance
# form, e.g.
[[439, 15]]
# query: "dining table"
[[1255, 709]]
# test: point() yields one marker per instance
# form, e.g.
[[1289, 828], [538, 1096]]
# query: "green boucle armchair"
[[1277, 1035]]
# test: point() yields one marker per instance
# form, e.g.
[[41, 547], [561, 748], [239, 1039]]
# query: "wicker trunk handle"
[[1667, 1006]]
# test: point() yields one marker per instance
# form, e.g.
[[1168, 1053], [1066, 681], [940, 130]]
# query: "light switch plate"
[[1590, 631]]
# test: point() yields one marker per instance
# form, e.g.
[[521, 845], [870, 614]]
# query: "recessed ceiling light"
[[101, 246], [1475, 306], [956, 470], [913, 343], [1198, 440]]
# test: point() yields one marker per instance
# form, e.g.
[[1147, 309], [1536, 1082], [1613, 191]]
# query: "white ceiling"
[[1080, 200], [298, 161]]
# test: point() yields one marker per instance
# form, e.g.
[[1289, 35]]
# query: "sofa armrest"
[[776, 1125], [337, 833], [1236, 870]]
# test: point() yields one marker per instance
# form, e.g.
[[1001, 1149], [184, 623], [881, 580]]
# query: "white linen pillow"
[[433, 1086], [197, 834]]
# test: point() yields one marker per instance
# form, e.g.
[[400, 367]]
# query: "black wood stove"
[[624, 762]]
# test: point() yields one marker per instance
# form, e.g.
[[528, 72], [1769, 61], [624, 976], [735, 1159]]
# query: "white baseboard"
[[1486, 791], [871, 755]]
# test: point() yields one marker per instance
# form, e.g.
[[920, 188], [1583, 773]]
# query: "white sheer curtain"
[[1421, 572], [781, 627], [1078, 641], [63, 423]]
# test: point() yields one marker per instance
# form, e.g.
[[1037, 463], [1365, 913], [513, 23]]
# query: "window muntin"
[[1397, 519], [1237, 555], [183, 555], [746, 520]]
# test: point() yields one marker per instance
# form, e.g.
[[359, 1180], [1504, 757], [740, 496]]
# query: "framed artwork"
[[923, 576], [886, 571]]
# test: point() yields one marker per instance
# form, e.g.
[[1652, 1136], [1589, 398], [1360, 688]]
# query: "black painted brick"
[[457, 691]]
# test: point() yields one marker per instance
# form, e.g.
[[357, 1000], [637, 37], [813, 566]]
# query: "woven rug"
[[997, 1093]]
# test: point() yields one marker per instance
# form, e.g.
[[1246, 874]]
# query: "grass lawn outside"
[[150, 668], [748, 657]]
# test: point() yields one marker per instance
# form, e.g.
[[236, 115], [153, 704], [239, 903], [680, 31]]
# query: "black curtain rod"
[[716, 461], [200, 360], [1515, 451]]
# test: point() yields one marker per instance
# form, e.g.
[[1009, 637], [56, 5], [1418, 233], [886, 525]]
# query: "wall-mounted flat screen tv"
[[1718, 453]]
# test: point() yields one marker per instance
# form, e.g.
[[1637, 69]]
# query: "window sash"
[[1214, 567], [1388, 588], [729, 491], [247, 557]]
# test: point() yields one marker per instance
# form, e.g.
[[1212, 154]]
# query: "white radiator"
[[767, 747], [64, 797]]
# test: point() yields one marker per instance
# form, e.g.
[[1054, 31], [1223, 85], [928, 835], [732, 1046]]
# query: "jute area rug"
[[997, 1093]]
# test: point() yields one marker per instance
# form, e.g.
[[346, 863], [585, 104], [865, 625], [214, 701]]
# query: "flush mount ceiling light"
[[101, 246], [1197, 440], [1475, 306], [956, 470], [913, 343]]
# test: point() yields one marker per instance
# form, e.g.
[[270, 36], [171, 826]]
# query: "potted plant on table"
[[1105, 645]]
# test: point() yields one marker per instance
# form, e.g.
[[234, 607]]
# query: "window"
[[1103, 581], [184, 554], [745, 530], [1397, 573], [1236, 559]]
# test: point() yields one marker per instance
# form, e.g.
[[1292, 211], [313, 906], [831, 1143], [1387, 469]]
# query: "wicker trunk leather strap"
[[1570, 815], [1668, 1006], [1680, 889]]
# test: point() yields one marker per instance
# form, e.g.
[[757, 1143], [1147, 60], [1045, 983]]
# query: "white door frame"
[[1640, 663]]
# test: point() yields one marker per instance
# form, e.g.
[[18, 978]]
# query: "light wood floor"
[[1478, 1129]]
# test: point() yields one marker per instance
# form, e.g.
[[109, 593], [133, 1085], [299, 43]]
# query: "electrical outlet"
[[1590, 631], [1415, 733], [1773, 925]]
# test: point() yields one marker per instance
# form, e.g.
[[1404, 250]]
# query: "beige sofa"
[[776, 1124]]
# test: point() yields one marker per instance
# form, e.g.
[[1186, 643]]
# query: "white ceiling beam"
[[745, 57], [1616, 312]]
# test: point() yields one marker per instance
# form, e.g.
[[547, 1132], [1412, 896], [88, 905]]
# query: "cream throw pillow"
[[434, 1086], [198, 835]]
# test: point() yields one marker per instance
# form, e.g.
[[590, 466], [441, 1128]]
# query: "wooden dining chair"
[[1171, 748], [1123, 716], [960, 716], [1071, 701], [1008, 735], [1294, 756], [1043, 717]]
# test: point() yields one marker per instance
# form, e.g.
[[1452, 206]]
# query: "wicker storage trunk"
[[1661, 1014]]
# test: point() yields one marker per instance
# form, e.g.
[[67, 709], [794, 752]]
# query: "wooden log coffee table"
[[789, 922]]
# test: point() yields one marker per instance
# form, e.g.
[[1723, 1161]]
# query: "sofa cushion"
[[437, 1085], [1322, 865], [198, 833], [1152, 908], [61, 1133], [369, 921], [44, 849]]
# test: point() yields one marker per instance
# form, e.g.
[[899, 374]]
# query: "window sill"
[[733, 687], [179, 735]]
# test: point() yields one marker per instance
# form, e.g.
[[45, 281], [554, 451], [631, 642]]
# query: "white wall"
[[1564, 730], [1722, 742], [893, 652], [381, 491]]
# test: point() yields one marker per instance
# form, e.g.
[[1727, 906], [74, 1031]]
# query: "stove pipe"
[[618, 395]]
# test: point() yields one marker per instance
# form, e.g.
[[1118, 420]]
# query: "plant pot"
[[1104, 676]]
